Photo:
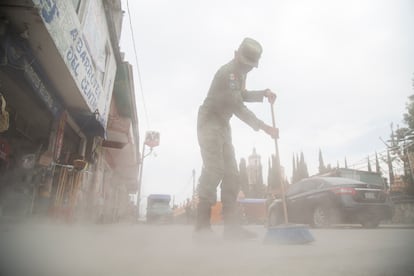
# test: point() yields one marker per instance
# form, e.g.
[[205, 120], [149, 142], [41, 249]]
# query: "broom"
[[285, 233]]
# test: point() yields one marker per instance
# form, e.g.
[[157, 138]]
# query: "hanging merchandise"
[[4, 150], [28, 161], [4, 115], [61, 123]]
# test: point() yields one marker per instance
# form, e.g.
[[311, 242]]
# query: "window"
[[311, 185], [295, 188]]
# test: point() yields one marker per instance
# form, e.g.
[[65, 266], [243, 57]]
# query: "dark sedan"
[[322, 201]]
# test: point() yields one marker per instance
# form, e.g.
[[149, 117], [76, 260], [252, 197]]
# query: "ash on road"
[[117, 250]]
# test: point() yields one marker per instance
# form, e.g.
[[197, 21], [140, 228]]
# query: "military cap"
[[250, 51]]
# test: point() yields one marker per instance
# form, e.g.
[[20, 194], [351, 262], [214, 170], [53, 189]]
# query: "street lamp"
[[152, 139]]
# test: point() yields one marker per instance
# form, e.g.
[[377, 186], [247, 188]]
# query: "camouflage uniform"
[[225, 98]]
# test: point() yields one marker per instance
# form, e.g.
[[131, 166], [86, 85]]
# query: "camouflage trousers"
[[219, 162]]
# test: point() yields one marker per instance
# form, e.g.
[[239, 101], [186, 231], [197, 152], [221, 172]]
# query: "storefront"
[[31, 111], [42, 140], [57, 73]]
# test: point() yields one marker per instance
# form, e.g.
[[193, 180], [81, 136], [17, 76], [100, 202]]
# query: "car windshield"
[[335, 181], [160, 207]]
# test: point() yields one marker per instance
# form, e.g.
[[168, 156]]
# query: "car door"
[[293, 199], [302, 201], [311, 197]]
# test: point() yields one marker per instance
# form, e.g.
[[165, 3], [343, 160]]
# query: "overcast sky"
[[342, 71]]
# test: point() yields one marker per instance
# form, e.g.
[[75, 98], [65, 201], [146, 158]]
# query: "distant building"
[[255, 175]]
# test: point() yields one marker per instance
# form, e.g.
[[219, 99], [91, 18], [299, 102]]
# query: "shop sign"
[[152, 139], [39, 87], [64, 27], [14, 49]]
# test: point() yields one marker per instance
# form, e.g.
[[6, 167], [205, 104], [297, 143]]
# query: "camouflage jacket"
[[227, 95]]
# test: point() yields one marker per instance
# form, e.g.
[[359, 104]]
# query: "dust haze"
[[141, 249]]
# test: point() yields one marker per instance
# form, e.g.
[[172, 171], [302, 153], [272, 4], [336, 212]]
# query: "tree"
[[369, 165], [409, 116], [404, 148], [390, 168], [269, 174], [322, 168], [294, 169], [402, 145], [302, 168], [377, 165], [243, 178], [297, 164], [274, 176]]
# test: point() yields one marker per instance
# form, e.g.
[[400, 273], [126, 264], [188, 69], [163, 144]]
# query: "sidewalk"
[[22, 220], [397, 225]]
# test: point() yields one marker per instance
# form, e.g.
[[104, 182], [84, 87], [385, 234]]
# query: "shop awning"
[[88, 123]]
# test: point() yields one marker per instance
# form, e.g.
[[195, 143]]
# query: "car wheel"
[[321, 217], [370, 223]]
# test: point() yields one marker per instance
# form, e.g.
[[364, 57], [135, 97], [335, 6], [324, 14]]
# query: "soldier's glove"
[[272, 131], [271, 97]]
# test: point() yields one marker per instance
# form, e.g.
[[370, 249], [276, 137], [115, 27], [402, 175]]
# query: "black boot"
[[203, 234], [203, 216]]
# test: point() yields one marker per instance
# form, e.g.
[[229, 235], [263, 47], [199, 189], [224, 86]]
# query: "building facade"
[[72, 117], [255, 175]]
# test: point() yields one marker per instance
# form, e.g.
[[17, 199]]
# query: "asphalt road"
[[127, 249]]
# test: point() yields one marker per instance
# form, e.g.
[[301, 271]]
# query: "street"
[[41, 249]]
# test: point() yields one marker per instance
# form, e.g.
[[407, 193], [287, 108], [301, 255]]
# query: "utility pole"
[[152, 139], [410, 167], [141, 168], [389, 163], [193, 183], [390, 169]]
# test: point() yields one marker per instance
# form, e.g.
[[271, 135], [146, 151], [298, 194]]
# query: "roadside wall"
[[403, 213]]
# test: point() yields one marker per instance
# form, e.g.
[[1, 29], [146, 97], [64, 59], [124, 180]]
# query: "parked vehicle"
[[322, 201], [253, 210], [159, 209]]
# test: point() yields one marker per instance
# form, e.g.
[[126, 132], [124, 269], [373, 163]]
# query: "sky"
[[342, 72]]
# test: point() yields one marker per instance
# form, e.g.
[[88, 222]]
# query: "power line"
[[365, 160], [138, 70], [380, 153]]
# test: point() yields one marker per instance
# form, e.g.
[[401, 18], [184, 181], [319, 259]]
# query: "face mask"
[[244, 68]]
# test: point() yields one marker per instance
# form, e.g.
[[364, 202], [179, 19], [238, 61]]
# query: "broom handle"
[[280, 169]]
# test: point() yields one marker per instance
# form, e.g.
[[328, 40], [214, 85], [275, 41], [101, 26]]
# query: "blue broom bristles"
[[288, 234]]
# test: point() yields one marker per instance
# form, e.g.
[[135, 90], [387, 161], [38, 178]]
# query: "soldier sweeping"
[[226, 97]]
